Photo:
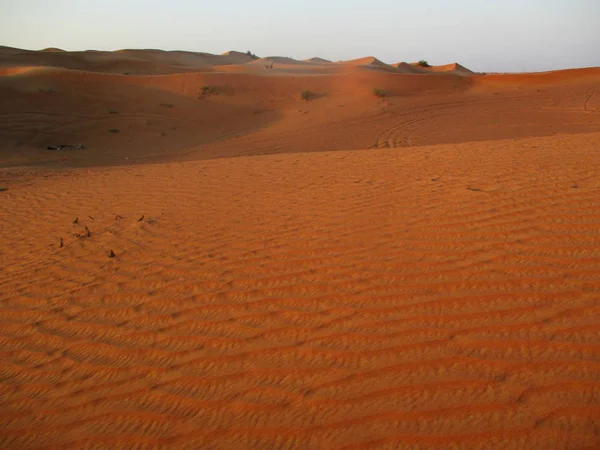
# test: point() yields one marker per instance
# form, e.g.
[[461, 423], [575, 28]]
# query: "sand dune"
[[172, 116], [228, 265], [277, 60]]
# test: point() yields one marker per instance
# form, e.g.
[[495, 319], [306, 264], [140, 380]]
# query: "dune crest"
[[53, 50], [454, 68], [317, 60], [369, 61]]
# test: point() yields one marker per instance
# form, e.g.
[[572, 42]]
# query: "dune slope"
[[123, 119]]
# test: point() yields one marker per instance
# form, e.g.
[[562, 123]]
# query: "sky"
[[483, 35]]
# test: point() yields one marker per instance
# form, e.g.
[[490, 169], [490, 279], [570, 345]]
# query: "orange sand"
[[420, 270]]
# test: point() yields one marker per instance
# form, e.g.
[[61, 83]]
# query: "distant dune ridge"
[[199, 251], [149, 61], [279, 60]]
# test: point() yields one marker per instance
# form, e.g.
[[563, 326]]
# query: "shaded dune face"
[[238, 266]]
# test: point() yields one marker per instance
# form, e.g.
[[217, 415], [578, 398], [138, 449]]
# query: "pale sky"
[[484, 35]]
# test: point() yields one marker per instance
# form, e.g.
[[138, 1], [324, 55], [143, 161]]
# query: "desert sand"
[[408, 259]]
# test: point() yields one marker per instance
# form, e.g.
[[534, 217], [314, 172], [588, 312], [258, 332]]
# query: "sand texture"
[[237, 267]]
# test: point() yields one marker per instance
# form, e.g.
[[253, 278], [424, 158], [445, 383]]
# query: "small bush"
[[424, 63], [114, 130], [379, 92], [113, 111], [306, 95], [251, 55], [167, 105], [207, 90]]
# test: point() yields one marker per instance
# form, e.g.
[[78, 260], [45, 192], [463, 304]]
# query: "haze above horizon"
[[526, 35]]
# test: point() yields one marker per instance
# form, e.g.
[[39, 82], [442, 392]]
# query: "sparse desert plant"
[[379, 92], [424, 63], [306, 95], [251, 55], [207, 90], [167, 105], [114, 130], [113, 111]]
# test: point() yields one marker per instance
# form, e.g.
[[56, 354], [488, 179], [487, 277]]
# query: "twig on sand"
[[111, 254], [141, 218], [61, 146], [61, 245], [76, 221]]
